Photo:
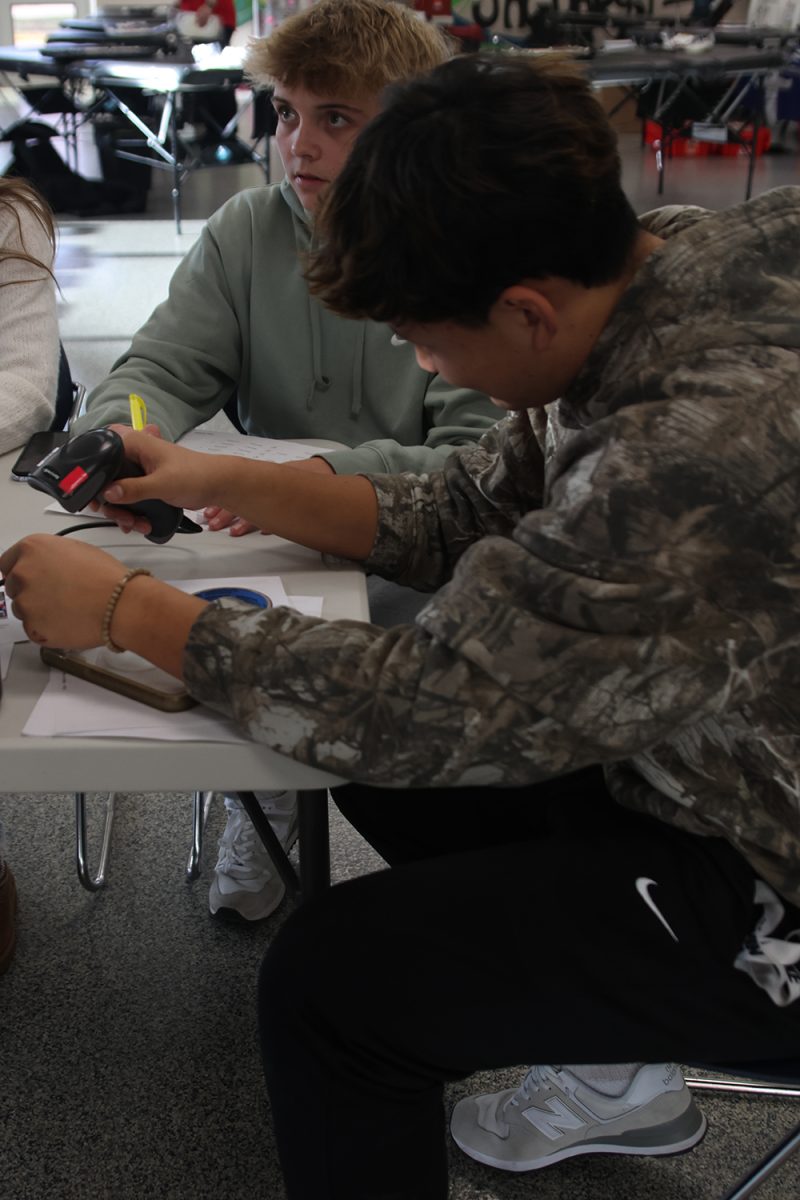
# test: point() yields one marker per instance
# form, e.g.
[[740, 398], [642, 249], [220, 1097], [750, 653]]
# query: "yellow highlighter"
[[138, 411]]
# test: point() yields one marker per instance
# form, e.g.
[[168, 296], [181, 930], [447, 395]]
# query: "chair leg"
[[776, 1157], [750, 1182], [90, 882], [201, 803], [743, 1087]]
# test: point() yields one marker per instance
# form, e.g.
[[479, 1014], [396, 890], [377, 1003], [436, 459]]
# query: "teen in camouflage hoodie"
[[617, 608]]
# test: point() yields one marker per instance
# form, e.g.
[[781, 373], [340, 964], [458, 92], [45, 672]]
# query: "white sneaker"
[[245, 881], [555, 1115]]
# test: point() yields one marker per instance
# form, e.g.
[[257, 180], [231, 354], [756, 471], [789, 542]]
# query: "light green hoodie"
[[239, 317]]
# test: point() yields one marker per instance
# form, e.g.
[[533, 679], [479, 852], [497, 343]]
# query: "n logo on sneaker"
[[555, 1123], [643, 888]]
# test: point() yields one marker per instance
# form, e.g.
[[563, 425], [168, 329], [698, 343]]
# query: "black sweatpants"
[[512, 928]]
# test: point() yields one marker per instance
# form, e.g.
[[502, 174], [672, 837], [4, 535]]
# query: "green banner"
[[244, 11]]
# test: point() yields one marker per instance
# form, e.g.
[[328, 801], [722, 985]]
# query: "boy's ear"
[[532, 311]]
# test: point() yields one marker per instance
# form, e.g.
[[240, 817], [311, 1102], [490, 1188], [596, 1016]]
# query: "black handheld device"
[[38, 446], [76, 473]]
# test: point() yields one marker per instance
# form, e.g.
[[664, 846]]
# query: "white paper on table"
[[55, 507], [309, 606], [5, 659], [72, 707], [245, 446]]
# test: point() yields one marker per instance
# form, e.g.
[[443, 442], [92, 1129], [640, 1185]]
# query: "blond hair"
[[347, 48]]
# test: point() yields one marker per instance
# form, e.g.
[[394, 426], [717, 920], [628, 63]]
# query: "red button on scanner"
[[73, 480]]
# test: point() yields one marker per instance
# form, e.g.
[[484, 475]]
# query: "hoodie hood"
[[673, 219], [721, 282]]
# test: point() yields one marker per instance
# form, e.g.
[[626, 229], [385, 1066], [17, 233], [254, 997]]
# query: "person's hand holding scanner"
[[336, 514], [127, 521], [169, 470], [123, 516]]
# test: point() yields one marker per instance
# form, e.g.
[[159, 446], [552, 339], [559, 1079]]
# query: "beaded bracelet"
[[112, 604]]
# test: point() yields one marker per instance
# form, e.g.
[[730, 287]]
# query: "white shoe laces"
[[240, 850], [534, 1081]]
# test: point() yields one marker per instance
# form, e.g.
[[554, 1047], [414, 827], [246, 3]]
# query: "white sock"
[[277, 804], [272, 804]]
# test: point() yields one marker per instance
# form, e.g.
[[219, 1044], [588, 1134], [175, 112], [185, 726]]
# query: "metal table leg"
[[201, 803], [90, 882], [313, 842], [177, 169], [167, 158], [777, 1156], [269, 838]]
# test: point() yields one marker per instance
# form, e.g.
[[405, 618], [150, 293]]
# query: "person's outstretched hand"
[[59, 589]]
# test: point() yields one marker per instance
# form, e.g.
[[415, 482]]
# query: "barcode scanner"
[[76, 473]]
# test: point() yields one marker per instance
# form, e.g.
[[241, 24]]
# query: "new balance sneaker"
[[554, 1115], [245, 882], [8, 910]]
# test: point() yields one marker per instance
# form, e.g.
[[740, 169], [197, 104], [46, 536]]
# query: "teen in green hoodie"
[[239, 320]]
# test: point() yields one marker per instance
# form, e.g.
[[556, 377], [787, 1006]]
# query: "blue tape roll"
[[258, 599]]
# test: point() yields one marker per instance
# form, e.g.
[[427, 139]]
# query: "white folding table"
[[85, 764]]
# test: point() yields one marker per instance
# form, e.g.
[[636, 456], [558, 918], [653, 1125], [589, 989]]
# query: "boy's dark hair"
[[485, 172]]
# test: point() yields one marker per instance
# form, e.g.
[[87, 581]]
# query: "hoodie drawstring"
[[319, 381], [357, 395]]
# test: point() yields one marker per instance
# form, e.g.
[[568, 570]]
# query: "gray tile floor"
[[128, 1054], [128, 1061]]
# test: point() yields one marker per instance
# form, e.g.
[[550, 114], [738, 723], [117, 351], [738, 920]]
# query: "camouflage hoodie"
[[619, 576]]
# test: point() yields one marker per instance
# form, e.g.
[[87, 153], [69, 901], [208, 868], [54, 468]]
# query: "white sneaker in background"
[[555, 1115], [245, 880]]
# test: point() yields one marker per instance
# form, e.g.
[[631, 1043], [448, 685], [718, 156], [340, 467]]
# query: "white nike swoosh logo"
[[643, 888]]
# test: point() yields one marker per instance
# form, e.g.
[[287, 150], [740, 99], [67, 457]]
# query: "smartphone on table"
[[37, 447]]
